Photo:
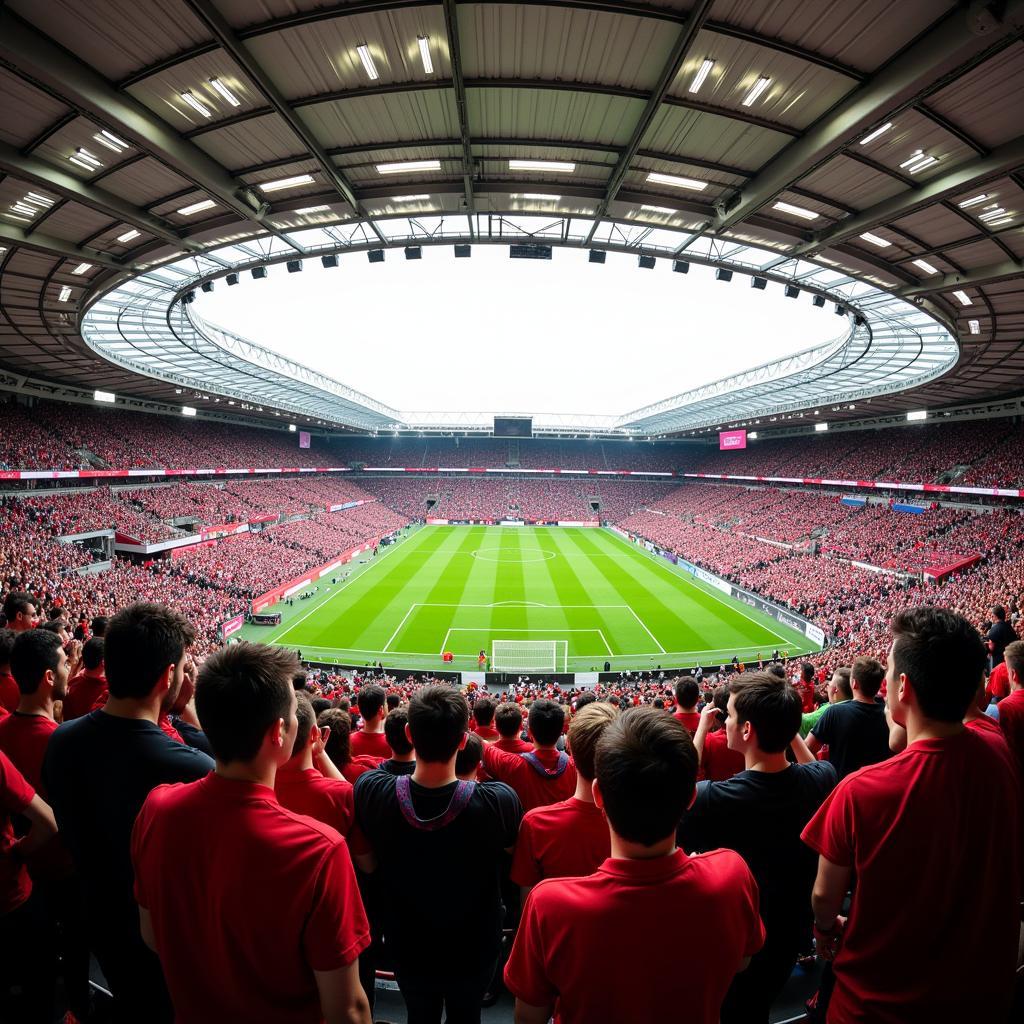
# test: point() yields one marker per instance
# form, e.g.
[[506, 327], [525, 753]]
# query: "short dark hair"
[[394, 731], [35, 651], [140, 642], [320, 704], [999, 611], [777, 670], [1013, 655], [242, 690], [720, 698], [469, 757], [807, 672], [17, 602], [868, 675], [98, 626], [306, 717], [508, 720], [7, 638], [370, 700], [772, 706], [92, 653], [299, 680], [547, 719], [393, 701], [338, 745], [687, 692], [438, 719], [942, 655], [646, 769], [483, 710], [585, 698]]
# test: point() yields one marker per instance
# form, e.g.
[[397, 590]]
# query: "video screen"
[[730, 439], [513, 426]]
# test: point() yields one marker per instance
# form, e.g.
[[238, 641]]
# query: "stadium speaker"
[[597, 256], [860, 321], [375, 255], [294, 266], [463, 251], [819, 300], [792, 292], [231, 279], [413, 252], [188, 297], [259, 273], [721, 274], [840, 309], [207, 286], [646, 262], [681, 267], [329, 261], [760, 283]]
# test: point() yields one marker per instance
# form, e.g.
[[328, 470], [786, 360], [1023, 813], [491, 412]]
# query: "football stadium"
[[511, 511]]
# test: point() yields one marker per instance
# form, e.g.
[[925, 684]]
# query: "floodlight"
[[188, 297], [721, 274], [646, 262], [792, 291], [463, 251], [329, 261], [207, 286], [818, 300], [375, 255], [294, 266], [231, 279], [259, 273], [597, 256], [681, 266], [840, 309], [760, 283], [413, 252]]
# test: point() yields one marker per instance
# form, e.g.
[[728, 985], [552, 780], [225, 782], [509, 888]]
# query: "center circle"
[[519, 555]]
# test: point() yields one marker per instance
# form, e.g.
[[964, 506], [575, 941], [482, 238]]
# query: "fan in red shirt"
[[308, 782], [568, 838], [687, 695], [717, 761], [370, 740], [648, 909], [9, 692], [999, 681], [888, 828], [483, 719], [508, 720], [543, 776], [1011, 708], [805, 687], [337, 724], [88, 687], [264, 912], [21, 611]]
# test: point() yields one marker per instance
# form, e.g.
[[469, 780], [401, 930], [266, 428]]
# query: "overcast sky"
[[500, 335]]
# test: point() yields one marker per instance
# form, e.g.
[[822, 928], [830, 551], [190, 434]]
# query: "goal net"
[[529, 655]]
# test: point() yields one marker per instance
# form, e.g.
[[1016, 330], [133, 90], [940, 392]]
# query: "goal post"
[[529, 656]]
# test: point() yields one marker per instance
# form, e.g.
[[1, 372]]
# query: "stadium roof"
[[870, 153]]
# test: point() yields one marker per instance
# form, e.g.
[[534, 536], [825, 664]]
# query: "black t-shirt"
[[856, 733], [393, 767], [441, 890], [1001, 634], [760, 815], [98, 771]]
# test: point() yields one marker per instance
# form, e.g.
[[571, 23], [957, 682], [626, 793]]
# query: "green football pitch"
[[589, 594]]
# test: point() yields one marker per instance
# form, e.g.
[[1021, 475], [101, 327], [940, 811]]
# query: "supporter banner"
[[222, 530], [855, 502], [915, 510], [347, 504], [256, 520], [231, 626]]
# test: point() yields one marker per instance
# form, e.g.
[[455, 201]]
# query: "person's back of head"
[[305, 716], [508, 720], [659, 703], [687, 692], [546, 722], [1013, 655], [98, 625], [92, 654], [320, 705], [867, 674], [371, 700], [337, 747], [585, 698], [771, 708], [468, 759], [142, 642], [299, 679], [941, 656], [438, 719], [720, 698], [244, 696], [807, 672], [393, 701], [586, 728], [394, 732], [778, 670], [840, 682], [645, 770], [36, 652], [7, 638], [483, 711]]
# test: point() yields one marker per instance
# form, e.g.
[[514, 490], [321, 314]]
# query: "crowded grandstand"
[[704, 706]]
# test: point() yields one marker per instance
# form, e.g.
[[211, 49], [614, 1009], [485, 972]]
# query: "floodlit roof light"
[[313, 209], [992, 214], [702, 73], [203, 204], [659, 209], [882, 243], [82, 268], [974, 326], [104, 396], [917, 414], [187, 410], [875, 134], [225, 92], [554, 166], [22, 208], [657, 178], [91, 168], [973, 201], [89, 158], [281, 183], [422, 196], [796, 211], [117, 141], [128, 236], [922, 164], [35, 197], [1002, 220], [116, 147], [195, 104], [424, 44], [965, 299], [925, 266], [759, 87], [367, 58], [820, 427], [408, 166], [65, 294], [292, 427], [917, 155]]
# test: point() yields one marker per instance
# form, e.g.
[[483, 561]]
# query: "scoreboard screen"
[[513, 426]]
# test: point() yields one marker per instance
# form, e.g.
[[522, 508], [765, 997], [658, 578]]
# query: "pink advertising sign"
[[729, 439]]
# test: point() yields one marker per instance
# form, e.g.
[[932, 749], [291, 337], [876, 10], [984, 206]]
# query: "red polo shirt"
[[1011, 721], [688, 719], [560, 840], [719, 762], [15, 795], [372, 744], [513, 745], [999, 682], [357, 766], [23, 738], [532, 788], [247, 900], [83, 693], [306, 791], [642, 919], [487, 733], [10, 695], [883, 821]]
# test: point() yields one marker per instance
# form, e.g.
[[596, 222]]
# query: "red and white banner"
[[880, 485], [231, 626]]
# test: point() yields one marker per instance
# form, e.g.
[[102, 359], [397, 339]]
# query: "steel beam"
[[948, 282], [451, 25], [956, 43], [15, 236]]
